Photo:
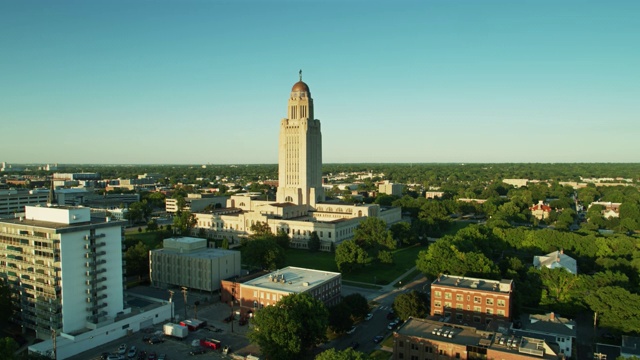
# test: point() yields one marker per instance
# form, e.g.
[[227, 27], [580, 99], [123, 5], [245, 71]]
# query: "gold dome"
[[300, 86]]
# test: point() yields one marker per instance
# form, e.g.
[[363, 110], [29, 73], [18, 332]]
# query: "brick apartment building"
[[471, 301]]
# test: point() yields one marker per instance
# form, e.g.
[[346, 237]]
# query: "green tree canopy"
[[413, 304], [264, 254], [357, 304], [314, 242], [346, 354], [289, 328], [184, 221], [340, 318], [137, 258], [350, 256]]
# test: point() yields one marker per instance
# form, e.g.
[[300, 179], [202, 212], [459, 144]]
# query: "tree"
[[346, 354], [289, 328], [184, 221], [8, 347], [264, 254], [385, 257], [260, 230], [413, 304], [314, 242], [372, 233], [340, 318], [6, 305], [559, 283], [283, 239], [225, 244], [137, 258], [357, 304], [402, 233], [349, 256], [616, 307]]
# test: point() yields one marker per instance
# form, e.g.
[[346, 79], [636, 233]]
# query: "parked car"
[[392, 325], [142, 355], [132, 352], [122, 349], [152, 356], [155, 340], [162, 357], [350, 331], [377, 338], [368, 316], [391, 315], [197, 351]]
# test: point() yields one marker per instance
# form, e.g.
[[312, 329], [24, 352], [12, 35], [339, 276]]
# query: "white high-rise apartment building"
[[65, 268]]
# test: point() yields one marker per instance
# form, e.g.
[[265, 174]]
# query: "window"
[[459, 306], [414, 346], [438, 294], [447, 304], [437, 303], [476, 319], [447, 296], [458, 316], [477, 300], [458, 297], [489, 311], [400, 356], [477, 309], [501, 302], [489, 301], [500, 312], [401, 343]]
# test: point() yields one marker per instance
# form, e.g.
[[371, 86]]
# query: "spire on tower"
[[300, 73]]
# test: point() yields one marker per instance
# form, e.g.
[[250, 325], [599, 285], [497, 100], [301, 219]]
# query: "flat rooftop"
[[500, 286], [95, 221], [292, 279], [207, 253]]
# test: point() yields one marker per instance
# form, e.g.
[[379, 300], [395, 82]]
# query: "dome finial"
[[300, 73]]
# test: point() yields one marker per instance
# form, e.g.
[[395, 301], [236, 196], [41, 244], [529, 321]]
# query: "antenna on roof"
[[51, 199]]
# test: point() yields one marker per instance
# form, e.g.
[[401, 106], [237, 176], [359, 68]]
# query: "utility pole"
[[171, 292], [184, 292]]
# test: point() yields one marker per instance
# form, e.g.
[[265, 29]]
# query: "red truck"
[[210, 343]]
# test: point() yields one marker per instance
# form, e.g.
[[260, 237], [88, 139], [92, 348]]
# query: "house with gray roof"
[[550, 327]]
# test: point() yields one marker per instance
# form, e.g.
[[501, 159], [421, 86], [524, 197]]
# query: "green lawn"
[[381, 274], [148, 238]]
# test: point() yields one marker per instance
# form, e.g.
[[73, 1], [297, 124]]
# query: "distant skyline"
[[199, 82]]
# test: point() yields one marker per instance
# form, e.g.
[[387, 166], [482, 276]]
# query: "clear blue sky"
[[395, 81]]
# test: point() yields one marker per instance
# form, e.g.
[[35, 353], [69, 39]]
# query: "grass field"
[[380, 274], [148, 238]]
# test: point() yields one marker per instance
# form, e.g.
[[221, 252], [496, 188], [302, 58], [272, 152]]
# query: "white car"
[[132, 352], [122, 349], [353, 328], [368, 317]]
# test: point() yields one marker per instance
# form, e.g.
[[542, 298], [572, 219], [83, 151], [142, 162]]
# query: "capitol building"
[[300, 207]]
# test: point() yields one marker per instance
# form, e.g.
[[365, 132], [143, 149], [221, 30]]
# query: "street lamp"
[[171, 292], [184, 292]]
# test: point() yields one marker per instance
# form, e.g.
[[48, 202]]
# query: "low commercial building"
[[196, 202], [420, 339], [471, 301], [186, 261], [252, 294]]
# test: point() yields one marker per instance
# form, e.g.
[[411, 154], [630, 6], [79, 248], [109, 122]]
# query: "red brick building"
[[253, 293], [471, 301]]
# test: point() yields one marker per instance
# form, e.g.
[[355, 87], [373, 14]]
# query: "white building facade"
[[61, 251]]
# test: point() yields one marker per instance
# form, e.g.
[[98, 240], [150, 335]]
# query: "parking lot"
[[175, 348]]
